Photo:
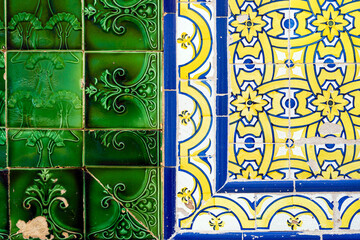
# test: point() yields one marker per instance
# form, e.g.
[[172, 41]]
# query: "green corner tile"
[[121, 93], [123, 25], [45, 148], [51, 199], [4, 211], [44, 24], [122, 148], [44, 89], [128, 207]]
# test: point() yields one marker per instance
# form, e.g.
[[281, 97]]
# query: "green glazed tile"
[[137, 148], [123, 24], [2, 25], [4, 211], [51, 199], [44, 89], [44, 24], [45, 148], [2, 89], [2, 148], [123, 93], [130, 204]]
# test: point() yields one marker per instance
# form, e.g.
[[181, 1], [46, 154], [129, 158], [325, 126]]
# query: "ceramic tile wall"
[[263, 142], [81, 119]]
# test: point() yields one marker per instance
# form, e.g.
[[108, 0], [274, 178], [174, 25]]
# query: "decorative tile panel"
[[266, 139], [81, 146]]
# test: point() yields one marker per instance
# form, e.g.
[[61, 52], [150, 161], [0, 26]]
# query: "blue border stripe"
[[279, 235], [170, 129], [222, 62], [342, 237], [327, 185], [169, 201], [221, 8], [169, 6], [221, 151], [197, 236], [222, 105], [258, 187], [170, 51]]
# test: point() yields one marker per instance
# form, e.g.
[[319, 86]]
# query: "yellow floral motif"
[[185, 117], [184, 40], [330, 103], [250, 27], [249, 173], [330, 23], [294, 223], [248, 104], [185, 195], [330, 173], [216, 223]]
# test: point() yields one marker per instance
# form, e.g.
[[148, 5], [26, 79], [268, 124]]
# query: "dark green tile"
[[2, 148], [45, 148], [4, 210], [130, 204], [44, 89], [44, 24], [123, 24], [123, 93], [2, 25], [136, 148], [51, 198], [2, 89]]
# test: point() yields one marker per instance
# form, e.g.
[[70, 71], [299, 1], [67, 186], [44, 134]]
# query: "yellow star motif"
[[330, 23], [330, 103], [250, 27], [248, 104]]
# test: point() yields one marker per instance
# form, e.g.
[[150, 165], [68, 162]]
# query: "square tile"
[[259, 103], [122, 148], [123, 25], [324, 32], [44, 24], [44, 89], [259, 31], [51, 199], [122, 93], [127, 204]]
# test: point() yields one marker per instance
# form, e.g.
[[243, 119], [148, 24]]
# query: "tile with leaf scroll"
[[51, 199], [122, 148], [121, 93], [126, 206], [44, 24], [123, 25]]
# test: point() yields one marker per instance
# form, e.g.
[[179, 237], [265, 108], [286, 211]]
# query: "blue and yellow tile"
[[280, 212], [325, 31], [195, 35], [252, 161], [259, 31]]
